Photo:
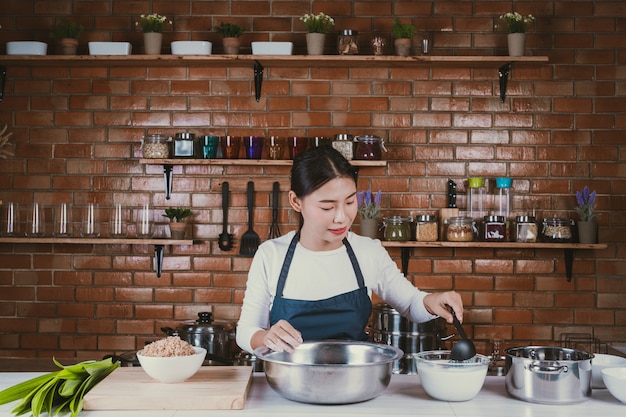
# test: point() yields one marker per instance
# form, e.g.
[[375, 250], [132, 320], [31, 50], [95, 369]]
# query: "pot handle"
[[538, 368], [169, 331]]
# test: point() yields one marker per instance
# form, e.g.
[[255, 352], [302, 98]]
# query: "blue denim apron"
[[343, 316]]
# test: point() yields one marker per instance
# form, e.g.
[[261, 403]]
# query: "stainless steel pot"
[[248, 359], [330, 372], [387, 319], [216, 338], [548, 375]]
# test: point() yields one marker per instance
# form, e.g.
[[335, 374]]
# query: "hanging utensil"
[[3, 76], [258, 79], [274, 230], [464, 349], [250, 239], [225, 241]]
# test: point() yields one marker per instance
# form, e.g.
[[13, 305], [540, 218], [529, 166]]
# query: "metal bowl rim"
[[482, 359]]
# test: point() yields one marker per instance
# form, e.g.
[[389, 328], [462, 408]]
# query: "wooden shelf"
[[240, 162], [363, 61], [159, 244], [568, 249]]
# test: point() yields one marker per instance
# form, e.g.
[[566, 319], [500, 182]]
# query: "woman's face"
[[328, 213]]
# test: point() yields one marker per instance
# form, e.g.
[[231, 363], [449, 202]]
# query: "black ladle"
[[464, 349]]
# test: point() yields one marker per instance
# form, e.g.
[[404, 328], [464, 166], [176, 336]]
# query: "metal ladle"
[[464, 349]]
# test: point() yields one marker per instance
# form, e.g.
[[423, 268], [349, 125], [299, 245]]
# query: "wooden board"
[[211, 388]]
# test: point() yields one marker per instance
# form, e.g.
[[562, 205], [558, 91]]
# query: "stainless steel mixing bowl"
[[330, 372]]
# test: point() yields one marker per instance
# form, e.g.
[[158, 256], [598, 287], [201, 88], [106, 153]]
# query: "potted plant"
[[369, 211], [516, 26], [403, 37], [177, 223], [152, 26], [316, 26], [67, 32], [231, 33], [587, 227]]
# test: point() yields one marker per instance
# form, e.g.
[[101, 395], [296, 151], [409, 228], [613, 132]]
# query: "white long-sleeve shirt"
[[317, 275]]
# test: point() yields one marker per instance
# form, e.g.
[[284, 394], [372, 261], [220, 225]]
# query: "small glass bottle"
[[344, 143], [503, 202], [397, 228], [460, 229], [426, 228], [493, 229], [476, 197], [557, 230], [525, 229], [348, 42]]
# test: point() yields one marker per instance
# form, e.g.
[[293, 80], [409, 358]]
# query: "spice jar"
[[557, 230], [369, 148], [348, 42], [460, 229], [155, 146], [493, 229], [525, 229], [184, 145], [397, 228], [344, 143], [426, 228]]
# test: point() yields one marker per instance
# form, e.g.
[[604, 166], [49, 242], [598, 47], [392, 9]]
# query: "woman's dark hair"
[[316, 166]]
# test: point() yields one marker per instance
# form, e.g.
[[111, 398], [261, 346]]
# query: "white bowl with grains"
[[171, 360]]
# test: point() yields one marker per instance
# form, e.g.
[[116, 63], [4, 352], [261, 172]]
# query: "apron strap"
[[355, 263], [282, 278]]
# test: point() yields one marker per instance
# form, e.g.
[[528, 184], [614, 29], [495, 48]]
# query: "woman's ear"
[[295, 202]]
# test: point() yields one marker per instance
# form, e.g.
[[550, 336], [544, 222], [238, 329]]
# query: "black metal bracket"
[[158, 259], [405, 253], [569, 261], [258, 79], [167, 173], [503, 75]]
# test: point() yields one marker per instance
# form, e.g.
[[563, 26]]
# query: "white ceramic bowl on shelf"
[[272, 48], [172, 369], [602, 361], [191, 47], [615, 381], [27, 48], [110, 48]]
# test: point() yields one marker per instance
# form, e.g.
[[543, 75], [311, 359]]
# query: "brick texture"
[[77, 135]]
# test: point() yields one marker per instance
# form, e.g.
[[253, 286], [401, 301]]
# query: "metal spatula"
[[250, 240]]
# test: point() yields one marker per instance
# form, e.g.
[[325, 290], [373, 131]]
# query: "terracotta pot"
[[403, 46], [68, 46], [231, 45], [177, 230]]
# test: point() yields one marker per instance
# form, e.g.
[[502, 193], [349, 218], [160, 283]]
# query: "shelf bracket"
[[158, 259], [405, 253], [569, 261], [503, 75], [167, 174]]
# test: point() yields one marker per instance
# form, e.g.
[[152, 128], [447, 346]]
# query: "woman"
[[316, 283]]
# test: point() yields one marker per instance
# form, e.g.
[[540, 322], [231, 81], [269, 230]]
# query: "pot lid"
[[204, 325]]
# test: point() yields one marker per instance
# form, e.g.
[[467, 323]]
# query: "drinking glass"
[[10, 219], [253, 146], [208, 146], [296, 145], [144, 225], [274, 148], [118, 222], [90, 226], [63, 220], [35, 223], [230, 147]]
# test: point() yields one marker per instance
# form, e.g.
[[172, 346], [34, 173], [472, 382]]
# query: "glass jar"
[[557, 230], [460, 229], [348, 42], [397, 228], [344, 143], [525, 229], [184, 145], [493, 229], [369, 148], [155, 146], [426, 228]]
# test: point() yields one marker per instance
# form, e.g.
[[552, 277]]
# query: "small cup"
[[10, 219], [253, 146], [118, 228], [35, 223], [230, 147], [208, 146], [63, 220], [144, 224], [318, 141], [90, 226], [296, 145], [275, 148]]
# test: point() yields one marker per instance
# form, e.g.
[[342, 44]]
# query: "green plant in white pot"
[[178, 226], [587, 227]]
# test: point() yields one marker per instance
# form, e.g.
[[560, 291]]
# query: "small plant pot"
[[178, 230], [231, 45], [403, 46], [68, 46]]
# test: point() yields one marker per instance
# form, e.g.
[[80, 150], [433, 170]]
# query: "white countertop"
[[403, 397]]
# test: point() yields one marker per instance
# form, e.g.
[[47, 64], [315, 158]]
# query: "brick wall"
[[77, 132]]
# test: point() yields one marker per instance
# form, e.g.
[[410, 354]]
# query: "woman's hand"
[[437, 303], [282, 336]]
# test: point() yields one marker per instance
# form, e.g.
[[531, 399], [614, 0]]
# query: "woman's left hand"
[[437, 303]]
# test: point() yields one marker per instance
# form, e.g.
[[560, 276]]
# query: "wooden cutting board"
[[211, 388]]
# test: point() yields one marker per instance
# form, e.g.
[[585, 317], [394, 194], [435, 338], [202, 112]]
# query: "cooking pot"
[[249, 359], [548, 375], [216, 338]]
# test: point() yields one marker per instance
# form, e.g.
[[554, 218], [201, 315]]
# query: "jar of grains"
[[525, 229], [344, 143], [493, 229], [460, 229], [426, 228], [155, 146], [397, 228], [557, 230]]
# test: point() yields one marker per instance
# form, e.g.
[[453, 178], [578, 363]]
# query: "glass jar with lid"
[[348, 42], [397, 228], [460, 229], [344, 143], [557, 230], [369, 147], [493, 229], [525, 229], [426, 228], [184, 145], [155, 146]]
